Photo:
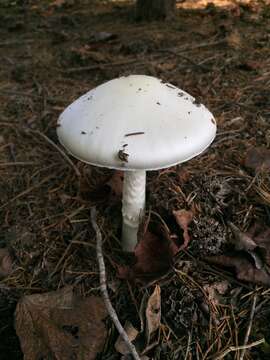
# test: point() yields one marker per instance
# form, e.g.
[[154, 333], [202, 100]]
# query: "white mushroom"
[[135, 123]]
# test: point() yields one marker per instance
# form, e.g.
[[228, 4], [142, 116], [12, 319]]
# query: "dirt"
[[54, 51]]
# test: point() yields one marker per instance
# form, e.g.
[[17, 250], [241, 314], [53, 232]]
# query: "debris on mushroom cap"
[[173, 132]]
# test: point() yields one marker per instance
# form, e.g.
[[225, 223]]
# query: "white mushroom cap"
[[136, 122]]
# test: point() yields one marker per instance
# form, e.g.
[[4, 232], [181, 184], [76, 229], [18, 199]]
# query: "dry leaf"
[[234, 39], [243, 240], [116, 182], [120, 344], [183, 219], [153, 313], [243, 268], [153, 254], [60, 325], [103, 36], [256, 243], [5, 263], [215, 290], [258, 158]]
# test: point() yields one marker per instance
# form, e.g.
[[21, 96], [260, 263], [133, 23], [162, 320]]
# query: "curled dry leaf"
[[60, 325], [256, 243], [120, 344], [153, 255], [242, 241], [258, 158], [153, 313], [183, 219], [5, 263], [243, 268]]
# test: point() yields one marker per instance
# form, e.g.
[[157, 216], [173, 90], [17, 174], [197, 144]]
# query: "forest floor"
[[215, 288]]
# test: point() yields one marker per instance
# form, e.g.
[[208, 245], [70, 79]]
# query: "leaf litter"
[[60, 325], [251, 261]]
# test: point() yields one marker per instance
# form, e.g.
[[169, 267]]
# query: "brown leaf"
[[5, 263], [261, 236], [183, 219], [242, 241], [243, 268], [153, 254], [153, 313], [60, 325], [116, 182], [215, 290], [234, 39], [258, 158], [120, 344]]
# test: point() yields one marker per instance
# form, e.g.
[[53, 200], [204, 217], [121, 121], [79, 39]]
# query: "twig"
[[252, 312], [192, 62], [101, 66], [237, 348], [188, 344], [104, 291], [59, 150], [16, 42], [16, 163]]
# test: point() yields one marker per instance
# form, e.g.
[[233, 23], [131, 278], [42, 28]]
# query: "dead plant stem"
[[104, 291], [251, 317], [76, 170]]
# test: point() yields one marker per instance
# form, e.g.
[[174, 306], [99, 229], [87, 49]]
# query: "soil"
[[54, 51]]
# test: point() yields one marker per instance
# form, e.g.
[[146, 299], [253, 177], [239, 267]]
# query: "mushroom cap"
[[136, 122]]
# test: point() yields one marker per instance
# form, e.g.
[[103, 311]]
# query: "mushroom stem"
[[133, 204]]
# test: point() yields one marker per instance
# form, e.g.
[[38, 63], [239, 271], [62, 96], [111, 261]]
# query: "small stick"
[[16, 42], [104, 291], [237, 348], [252, 312], [16, 163], [101, 66], [58, 149]]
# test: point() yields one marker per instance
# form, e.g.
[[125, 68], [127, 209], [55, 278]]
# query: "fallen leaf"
[[120, 344], [216, 289], [242, 241], [5, 263], [60, 325], [85, 53], [103, 36], [234, 39], [153, 313], [256, 243], [261, 236], [258, 158], [153, 256], [243, 268], [116, 183], [183, 219]]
